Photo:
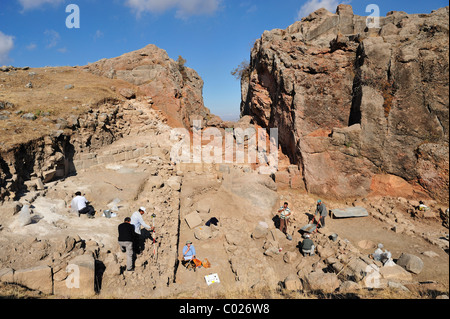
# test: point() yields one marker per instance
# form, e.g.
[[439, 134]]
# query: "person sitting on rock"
[[81, 206], [308, 247], [189, 254]]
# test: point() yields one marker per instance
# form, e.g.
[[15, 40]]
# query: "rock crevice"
[[353, 102]]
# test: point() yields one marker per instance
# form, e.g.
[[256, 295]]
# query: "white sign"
[[211, 279]]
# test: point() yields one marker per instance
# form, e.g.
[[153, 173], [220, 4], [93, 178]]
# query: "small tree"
[[181, 63], [242, 71], [181, 67]]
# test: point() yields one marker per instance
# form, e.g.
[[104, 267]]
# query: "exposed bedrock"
[[360, 110]]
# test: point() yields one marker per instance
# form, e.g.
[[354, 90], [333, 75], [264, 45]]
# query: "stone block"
[[282, 178], [320, 281], [80, 280], [411, 263], [7, 275], [292, 283], [193, 220], [297, 182], [395, 273], [37, 278]]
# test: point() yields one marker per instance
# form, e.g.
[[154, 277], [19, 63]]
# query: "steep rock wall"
[[357, 107]]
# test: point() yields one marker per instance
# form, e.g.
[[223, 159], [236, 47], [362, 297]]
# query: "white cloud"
[[184, 8], [98, 34], [51, 38], [6, 45], [31, 46], [34, 4], [312, 5]]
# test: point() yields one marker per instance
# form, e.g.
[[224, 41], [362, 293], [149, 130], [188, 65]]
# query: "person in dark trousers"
[[81, 206], [308, 247], [321, 213], [285, 214], [127, 237]]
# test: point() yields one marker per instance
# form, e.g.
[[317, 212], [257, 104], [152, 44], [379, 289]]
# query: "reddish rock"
[[350, 101], [174, 88], [282, 178]]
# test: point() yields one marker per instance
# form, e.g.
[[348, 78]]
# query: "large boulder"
[[261, 230], [253, 189], [37, 278], [79, 280], [346, 99], [174, 183], [292, 283], [395, 273], [193, 220], [320, 281], [411, 263], [172, 86], [203, 233]]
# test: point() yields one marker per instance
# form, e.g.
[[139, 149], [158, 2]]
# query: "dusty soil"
[[370, 229], [129, 181], [49, 99]]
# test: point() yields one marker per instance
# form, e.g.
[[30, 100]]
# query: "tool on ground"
[[118, 188], [154, 234], [312, 227], [197, 263], [206, 263]]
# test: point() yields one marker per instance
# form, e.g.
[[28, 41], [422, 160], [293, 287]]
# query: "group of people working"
[[307, 246], [131, 240]]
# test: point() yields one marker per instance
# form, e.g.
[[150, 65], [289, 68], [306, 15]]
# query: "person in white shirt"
[[137, 221], [285, 214], [81, 205]]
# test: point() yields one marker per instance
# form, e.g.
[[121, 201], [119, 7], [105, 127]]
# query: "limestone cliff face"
[[358, 109], [175, 89]]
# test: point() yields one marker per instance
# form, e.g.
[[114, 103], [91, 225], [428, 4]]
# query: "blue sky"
[[214, 36]]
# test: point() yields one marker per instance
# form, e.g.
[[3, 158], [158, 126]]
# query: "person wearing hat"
[[308, 247], [137, 221], [188, 253], [321, 212]]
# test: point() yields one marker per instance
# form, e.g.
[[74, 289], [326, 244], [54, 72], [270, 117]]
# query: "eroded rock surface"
[[355, 104]]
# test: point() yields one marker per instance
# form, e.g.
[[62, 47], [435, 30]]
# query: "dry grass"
[[280, 294], [12, 291], [48, 99]]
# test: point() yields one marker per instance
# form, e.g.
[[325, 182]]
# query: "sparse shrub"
[[242, 71]]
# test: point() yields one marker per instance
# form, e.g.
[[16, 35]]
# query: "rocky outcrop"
[[174, 88], [360, 110], [73, 144], [51, 157]]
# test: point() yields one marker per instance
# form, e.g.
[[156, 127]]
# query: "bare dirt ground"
[[131, 181], [101, 185]]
